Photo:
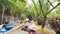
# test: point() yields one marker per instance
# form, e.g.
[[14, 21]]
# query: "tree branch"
[[50, 3], [52, 8]]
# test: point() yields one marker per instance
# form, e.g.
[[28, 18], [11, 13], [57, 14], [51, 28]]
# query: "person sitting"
[[23, 31], [29, 30], [30, 26]]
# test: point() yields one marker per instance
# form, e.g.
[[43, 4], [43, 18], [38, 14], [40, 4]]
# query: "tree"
[[45, 15], [5, 3], [44, 9]]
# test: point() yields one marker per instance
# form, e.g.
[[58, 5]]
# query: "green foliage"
[[9, 3], [14, 5], [19, 6], [54, 14], [35, 8]]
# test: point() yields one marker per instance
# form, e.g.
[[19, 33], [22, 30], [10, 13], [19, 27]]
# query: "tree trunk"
[[43, 23], [2, 14]]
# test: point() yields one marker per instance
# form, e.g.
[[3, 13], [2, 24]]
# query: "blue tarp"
[[8, 27]]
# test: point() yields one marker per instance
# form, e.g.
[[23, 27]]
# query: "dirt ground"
[[38, 30]]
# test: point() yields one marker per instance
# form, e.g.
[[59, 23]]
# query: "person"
[[23, 31], [29, 30], [27, 23], [32, 26]]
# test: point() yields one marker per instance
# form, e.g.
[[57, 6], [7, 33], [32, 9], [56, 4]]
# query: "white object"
[[32, 27], [26, 19], [27, 24], [1, 26], [3, 30]]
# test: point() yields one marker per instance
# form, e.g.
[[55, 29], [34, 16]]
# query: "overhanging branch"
[[50, 3], [52, 8]]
